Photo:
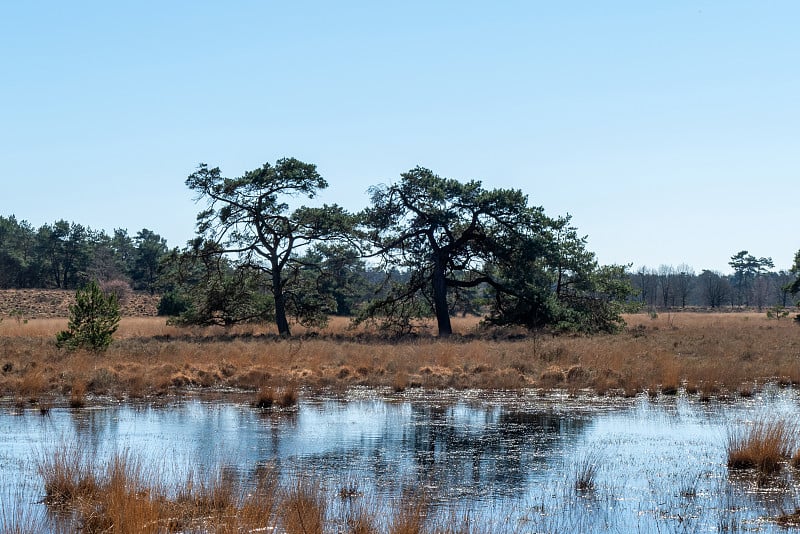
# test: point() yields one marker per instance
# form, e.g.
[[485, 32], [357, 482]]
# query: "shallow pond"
[[510, 461]]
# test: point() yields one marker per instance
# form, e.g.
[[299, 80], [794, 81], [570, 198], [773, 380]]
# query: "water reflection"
[[661, 458]]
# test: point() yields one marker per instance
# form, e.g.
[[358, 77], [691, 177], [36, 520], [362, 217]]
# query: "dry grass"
[[67, 477], [303, 508], [120, 496], [710, 354], [408, 516], [763, 446], [269, 397]]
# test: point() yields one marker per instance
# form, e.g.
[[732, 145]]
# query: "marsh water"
[[508, 461]]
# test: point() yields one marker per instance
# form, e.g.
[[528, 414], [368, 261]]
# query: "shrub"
[[119, 288], [93, 319], [173, 304]]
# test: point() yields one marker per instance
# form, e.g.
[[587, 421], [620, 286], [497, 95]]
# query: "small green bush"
[[777, 312], [93, 319], [173, 304]]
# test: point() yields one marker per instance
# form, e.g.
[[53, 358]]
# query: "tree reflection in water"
[[460, 449]]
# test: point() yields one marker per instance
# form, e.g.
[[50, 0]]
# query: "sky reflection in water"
[[661, 461]]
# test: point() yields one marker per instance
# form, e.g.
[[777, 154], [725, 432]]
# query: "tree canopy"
[[67, 255], [450, 236], [249, 217], [426, 246], [794, 287]]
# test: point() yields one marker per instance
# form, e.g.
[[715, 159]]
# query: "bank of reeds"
[[707, 354], [120, 496]]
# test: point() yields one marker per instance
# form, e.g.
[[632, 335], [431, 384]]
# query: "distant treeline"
[[753, 284], [66, 255]]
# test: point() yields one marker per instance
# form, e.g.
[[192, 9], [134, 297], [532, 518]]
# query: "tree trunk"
[[280, 305], [440, 298]]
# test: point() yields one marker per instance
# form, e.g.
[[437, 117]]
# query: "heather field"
[[708, 354]]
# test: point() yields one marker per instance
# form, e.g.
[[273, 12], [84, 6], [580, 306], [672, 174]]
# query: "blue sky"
[[669, 130]]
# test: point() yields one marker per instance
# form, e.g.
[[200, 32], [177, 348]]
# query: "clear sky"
[[669, 130]]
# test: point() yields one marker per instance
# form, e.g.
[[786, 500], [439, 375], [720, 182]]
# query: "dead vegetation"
[[26, 304], [764, 446], [704, 354], [120, 496]]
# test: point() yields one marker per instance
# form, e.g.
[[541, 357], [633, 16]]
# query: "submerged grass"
[[120, 496], [586, 469]]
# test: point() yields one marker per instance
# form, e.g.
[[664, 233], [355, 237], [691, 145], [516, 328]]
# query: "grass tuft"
[[303, 508], [67, 477], [268, 398], [586, 472], [408, 516], [265, 398], [77, 394], [763, 446]]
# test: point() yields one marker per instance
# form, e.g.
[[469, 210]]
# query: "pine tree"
[[93, 319]]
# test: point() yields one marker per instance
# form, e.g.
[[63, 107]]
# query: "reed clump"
[[68, 477], [120, 496], [586, 470], [77, 394], [303, 508], [269, 397], [789, 519], [763, 445], [409, 516], [265, 398]]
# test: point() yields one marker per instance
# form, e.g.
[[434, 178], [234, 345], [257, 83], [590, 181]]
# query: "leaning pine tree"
[[93, 319]]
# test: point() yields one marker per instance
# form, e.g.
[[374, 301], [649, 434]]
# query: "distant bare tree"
[[666, 278], [760, 291], [646, 281], [715, 288], [684, 280]]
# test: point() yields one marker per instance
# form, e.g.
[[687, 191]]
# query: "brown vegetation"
[[26, 304], [120, 496], [707, 354], [763, 446]]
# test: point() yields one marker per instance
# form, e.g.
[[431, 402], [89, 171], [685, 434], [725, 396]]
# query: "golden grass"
[[269, 397], [764, 445], [303, 508], [121, 496], [710, 354]]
